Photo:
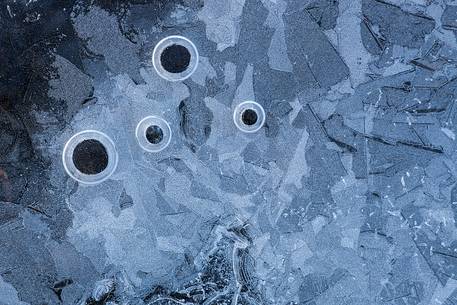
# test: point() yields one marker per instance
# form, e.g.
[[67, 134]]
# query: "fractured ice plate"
[[228, 152]]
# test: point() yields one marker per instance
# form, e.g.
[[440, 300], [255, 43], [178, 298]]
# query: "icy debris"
[[449, 18], [222, 21], [315, 285], [315, 61], [395, 26], [324, 12], [449, 133], [8, 295], [102, 289], [351, 49]]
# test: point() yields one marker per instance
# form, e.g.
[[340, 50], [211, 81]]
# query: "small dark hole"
[[90, 157], [175, 58], [249, 117], [407, 86], [154, 134]]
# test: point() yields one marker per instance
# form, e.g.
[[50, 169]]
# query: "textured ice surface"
[[347, 195]]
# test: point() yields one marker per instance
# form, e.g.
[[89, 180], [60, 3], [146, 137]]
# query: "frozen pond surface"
[[339, 187]]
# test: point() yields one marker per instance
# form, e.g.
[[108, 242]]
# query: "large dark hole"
[[90, 157], [175, 58], [154, 134], [249, 117]]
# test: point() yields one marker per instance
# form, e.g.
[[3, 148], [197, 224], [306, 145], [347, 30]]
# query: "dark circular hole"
[[175, 58], [90, 157], [249, 117], [154, 134], [407, 86]]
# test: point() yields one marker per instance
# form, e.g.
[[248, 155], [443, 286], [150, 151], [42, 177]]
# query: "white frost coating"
[[245, 90], [204, 71], [222, 21], [447, 36], [371, 113], [63, 73], [448, 133], [34, 223], [294, 244], [101, 31], [8, 295], [409, 4], [277, 52], [175, 244], [229, 73], [350, 45], [220, 126], [397, 67], [67, 73], [126, 243], [131, 238], [298, 166], [318, 223], [442, 293], [102, 289], [350, 238]]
